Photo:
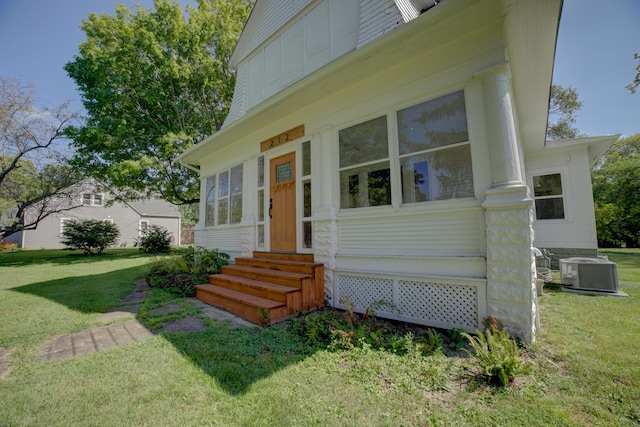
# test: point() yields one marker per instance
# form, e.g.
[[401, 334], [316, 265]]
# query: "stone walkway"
[[122, 328]]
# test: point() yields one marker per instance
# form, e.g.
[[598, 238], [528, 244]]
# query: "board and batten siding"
[[578, 229]]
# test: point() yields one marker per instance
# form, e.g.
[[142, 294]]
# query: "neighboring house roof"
[[155, 207], [596, 145]]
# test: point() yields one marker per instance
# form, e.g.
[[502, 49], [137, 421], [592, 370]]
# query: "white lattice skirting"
[[438, 302]]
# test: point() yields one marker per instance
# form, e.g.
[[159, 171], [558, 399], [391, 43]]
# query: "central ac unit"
[[593, 274]]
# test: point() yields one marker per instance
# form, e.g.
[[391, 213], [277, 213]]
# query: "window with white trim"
[[433, 157], [548, 196], [434, 150], [89, 199], [261, 198], [224, 197], [143, 227], [307, 225], [365, 175]]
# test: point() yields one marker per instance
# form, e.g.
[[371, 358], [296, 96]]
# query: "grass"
[[584, 368]]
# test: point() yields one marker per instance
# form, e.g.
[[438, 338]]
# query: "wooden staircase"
[[267, 288]]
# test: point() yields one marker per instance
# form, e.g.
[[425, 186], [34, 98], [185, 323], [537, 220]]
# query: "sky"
[[596, 43]]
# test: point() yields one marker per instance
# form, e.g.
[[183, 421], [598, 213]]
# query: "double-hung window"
[[434, 150], [224, 197], [89, 199], [547, 194], [365, 175]]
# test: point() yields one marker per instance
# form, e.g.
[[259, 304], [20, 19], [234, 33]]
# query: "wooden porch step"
[[267, 288], [267, 275], [301, 267], [285, 256], [277, 292], [253, 308]]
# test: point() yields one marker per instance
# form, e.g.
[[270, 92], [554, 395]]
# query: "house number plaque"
[[283, 138]]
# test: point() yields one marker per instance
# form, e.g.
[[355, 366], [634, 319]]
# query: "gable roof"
[[155, 207]]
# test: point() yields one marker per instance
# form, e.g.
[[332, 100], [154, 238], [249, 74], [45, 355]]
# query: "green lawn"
[[585, 367]]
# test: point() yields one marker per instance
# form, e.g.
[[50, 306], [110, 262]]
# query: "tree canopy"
[[616, 192], [153, 82], [633, 86], [35, 178], [563, 106]]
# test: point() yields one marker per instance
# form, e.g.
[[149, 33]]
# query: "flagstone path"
[[121, 327]]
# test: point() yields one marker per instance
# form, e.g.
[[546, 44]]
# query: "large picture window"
[[433, 157], [434, 149], [547, 194], [224, 197], [365, 178]]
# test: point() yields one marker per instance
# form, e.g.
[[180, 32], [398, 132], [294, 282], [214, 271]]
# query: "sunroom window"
[[224, 197], [434, 150], [365, 178]]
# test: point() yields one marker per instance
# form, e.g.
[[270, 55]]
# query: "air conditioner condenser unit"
[[592, 274]]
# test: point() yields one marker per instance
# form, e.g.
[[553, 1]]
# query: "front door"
[[282, 207]]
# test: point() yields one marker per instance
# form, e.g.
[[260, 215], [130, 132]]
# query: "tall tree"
[[35, 180], [153, 82], [563, 106], [616, 193], [633, 86]]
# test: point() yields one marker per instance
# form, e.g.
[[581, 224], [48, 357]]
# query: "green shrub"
[[201, 260], [91, 236], [495, 355], [6, 246], [156, 239], [179, 273]]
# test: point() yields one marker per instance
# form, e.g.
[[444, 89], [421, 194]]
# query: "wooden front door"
[[282, 208]]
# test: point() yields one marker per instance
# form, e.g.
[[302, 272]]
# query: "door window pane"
[[306, 158], [306, 186], [261, 171], [283, 172]]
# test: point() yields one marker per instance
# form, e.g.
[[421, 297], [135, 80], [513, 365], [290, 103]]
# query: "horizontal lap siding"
[[227, 239], [459, 234]]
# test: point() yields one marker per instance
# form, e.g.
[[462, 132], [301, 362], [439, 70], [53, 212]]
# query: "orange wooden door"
[[282, 208]]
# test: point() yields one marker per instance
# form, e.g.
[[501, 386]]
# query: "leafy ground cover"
[[583, 370]]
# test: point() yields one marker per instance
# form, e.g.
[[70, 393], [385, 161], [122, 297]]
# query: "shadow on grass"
[[64, 257], [237, 358], [88, 294]]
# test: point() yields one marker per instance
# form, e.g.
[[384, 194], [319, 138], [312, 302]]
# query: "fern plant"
[[495, 356]]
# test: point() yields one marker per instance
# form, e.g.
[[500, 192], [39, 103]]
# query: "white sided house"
[[91, 202], [560, 181], [390, 141]]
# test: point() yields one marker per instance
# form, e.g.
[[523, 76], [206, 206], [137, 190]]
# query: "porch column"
[[325, 225], [511, 292]]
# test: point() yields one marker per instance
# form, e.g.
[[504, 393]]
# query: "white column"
[[324, 170], [511, 293]]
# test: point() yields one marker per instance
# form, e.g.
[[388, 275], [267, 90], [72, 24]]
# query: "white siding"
[[378, 17], [445, 233], [274, 15], [313, 39], [578, 229]]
